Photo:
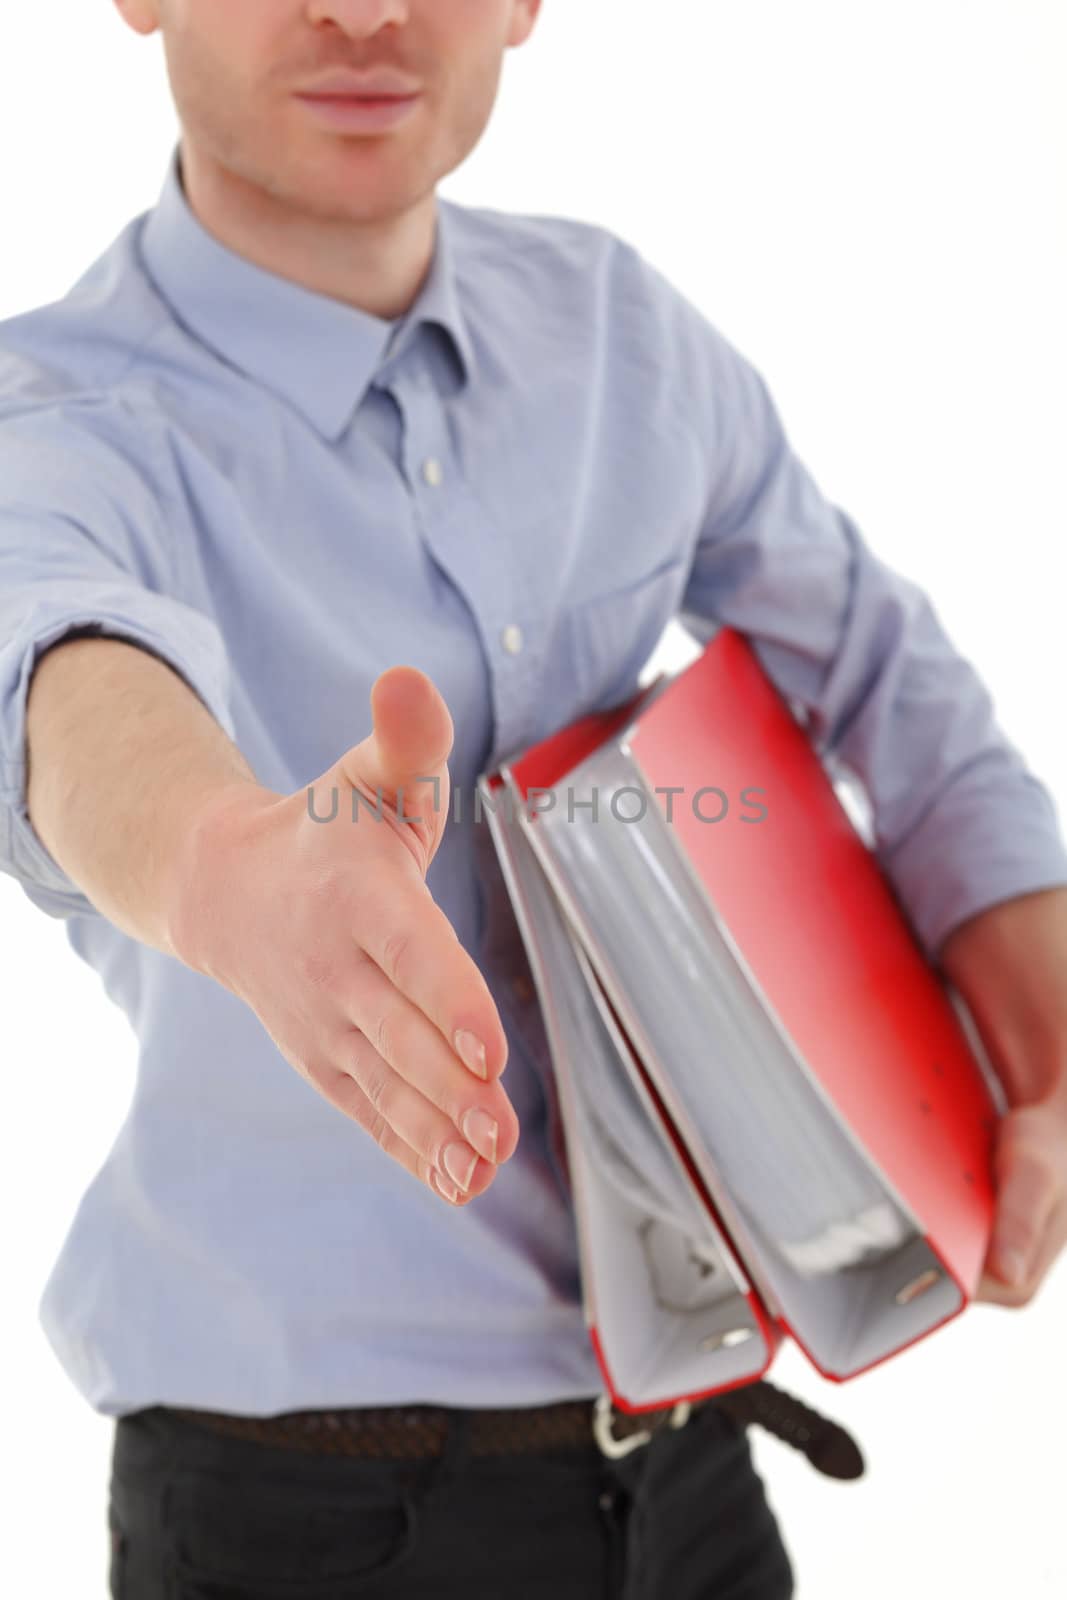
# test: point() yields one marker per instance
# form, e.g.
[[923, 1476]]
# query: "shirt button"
[[511, 638], [432, 472], [523, 988]]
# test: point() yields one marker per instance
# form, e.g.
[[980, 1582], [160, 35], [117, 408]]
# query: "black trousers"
[[196, 1515]]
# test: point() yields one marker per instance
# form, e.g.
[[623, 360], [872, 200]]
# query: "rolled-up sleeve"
[[959, 822], [86, 545]]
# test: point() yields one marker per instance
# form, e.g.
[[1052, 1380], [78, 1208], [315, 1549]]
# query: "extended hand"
[[324, 925]]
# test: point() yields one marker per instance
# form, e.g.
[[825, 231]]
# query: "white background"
[[869, 201]]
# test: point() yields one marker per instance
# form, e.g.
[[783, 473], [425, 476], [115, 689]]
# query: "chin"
[[362, 191], [341, 179]]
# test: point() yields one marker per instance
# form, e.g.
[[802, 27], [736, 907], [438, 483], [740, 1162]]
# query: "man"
[[308, 436]]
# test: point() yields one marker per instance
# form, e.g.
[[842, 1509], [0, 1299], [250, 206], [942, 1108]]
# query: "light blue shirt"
[[513, 489]]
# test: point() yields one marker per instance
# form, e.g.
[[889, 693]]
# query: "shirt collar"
[[316, 351]]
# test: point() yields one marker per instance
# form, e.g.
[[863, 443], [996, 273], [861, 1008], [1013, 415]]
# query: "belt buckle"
[[604, 1414]]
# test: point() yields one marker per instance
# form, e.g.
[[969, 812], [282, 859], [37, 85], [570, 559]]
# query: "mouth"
[[360, 113]]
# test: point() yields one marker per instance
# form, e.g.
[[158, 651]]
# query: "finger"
[[1028, 1190], [406, 1041], [410, 940], [1051, 1244], [993, 1291], [411, 1134]]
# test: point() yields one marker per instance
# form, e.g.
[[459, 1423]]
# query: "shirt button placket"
[[426, 469]]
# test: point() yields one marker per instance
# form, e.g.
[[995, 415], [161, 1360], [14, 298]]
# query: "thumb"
[[404, 759]]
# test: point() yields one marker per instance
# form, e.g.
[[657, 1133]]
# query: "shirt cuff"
[[986, 839]]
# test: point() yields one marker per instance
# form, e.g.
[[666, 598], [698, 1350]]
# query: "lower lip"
[[359, 115]]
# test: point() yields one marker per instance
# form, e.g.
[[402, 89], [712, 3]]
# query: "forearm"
[[1009, 964], [122, 755]]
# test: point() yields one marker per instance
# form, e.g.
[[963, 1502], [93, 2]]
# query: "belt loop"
[[455, 1450]]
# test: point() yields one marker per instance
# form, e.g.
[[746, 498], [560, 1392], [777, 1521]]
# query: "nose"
[[360, 19]]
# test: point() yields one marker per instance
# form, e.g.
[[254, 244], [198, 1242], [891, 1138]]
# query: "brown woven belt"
[[418, 1431]]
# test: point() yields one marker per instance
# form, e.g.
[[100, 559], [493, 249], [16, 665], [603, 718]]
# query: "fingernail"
[[443, 1186], [460, 1164], [1011, 1264], [480, 1130], [471, 1051]]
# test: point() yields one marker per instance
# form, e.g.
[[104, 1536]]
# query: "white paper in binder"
[[669, 1301]]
